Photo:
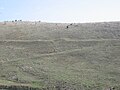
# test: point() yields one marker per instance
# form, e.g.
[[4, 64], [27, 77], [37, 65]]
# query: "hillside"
[[60, 56]]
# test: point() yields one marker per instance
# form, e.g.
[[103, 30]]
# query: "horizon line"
[[57, 22]]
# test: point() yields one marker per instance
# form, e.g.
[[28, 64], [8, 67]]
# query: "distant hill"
[[50, 31]]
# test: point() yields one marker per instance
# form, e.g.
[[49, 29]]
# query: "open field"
[[50, 56]]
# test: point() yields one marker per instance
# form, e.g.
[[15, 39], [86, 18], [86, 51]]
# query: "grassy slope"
[[84, 56]]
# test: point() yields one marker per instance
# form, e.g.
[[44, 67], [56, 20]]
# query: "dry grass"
[[46, 55]]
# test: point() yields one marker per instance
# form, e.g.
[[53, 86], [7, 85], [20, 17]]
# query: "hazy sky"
[[60, 10]]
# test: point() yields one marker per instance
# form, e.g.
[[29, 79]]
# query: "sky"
[[75, 11]]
